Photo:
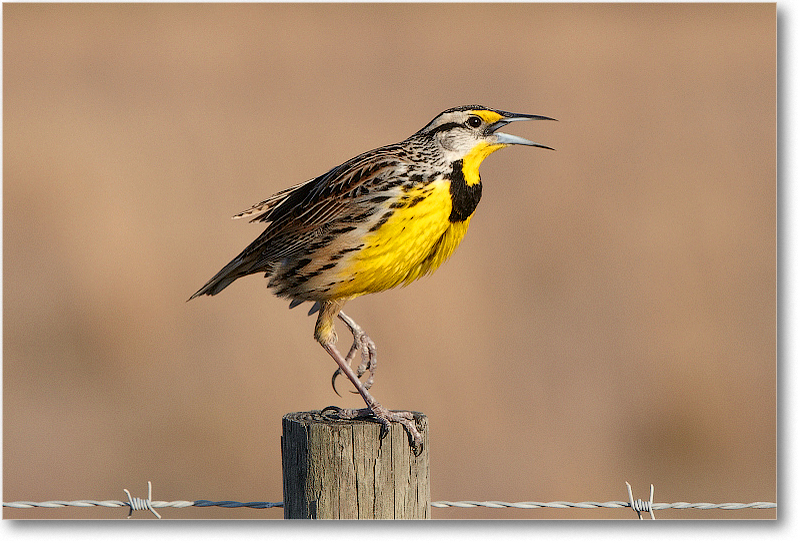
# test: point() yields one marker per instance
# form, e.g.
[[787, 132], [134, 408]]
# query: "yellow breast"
[[415, 240]]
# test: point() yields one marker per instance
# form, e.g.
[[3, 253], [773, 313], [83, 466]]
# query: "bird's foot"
[[384, 417], [361, 344]]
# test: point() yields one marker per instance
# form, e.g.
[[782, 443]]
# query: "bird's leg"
[[326, 336], [361, 343], [369, 353], [356, 347], [338, 372], [373, 409]]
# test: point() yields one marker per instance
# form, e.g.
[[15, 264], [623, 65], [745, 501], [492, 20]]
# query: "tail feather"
[[236, 268], [214, 286]]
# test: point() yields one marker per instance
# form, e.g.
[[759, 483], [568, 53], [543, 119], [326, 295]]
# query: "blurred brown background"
[[611, 315]]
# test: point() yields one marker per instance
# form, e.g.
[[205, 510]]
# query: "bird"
[[377, 221]]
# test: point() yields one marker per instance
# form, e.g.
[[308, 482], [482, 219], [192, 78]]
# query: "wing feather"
[[299, 214]]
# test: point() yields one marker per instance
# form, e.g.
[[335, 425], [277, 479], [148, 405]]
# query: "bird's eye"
[[474, 121]]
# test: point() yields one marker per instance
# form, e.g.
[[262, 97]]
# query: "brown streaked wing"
[[298, 214], [299, 211], [262, 208], [311, 204]]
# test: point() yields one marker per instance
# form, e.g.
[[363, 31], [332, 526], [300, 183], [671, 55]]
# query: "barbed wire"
[[638, 506], [611, 505]]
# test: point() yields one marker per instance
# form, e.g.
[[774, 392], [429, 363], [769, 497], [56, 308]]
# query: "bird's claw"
[[384, 417]]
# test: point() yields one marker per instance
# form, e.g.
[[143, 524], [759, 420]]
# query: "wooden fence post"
[[342, 469]]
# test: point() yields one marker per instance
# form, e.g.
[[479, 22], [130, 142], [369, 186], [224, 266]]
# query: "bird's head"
[[471, 130]]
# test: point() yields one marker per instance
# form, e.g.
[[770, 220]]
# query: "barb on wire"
[[639, 505], [138, 504]]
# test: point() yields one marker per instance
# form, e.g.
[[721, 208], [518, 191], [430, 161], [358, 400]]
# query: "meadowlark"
[[382, 219]]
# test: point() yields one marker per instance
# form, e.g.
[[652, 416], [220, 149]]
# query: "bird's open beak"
[[510, 139]]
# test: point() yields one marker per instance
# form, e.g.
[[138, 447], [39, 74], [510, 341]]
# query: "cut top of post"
[[343, 469]]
